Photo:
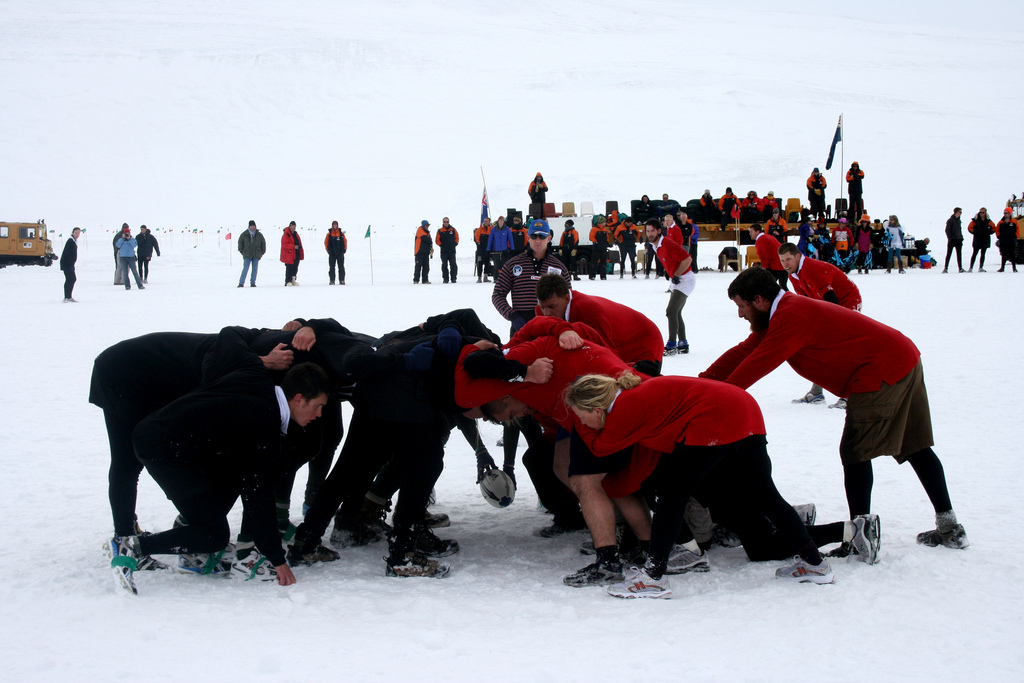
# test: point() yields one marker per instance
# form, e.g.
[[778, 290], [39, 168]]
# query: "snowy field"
[[200, 115]]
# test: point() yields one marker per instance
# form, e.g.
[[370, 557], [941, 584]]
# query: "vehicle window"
[[3, 232], [27, 233]]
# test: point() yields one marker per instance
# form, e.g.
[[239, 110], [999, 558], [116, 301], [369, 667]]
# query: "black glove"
[[675, 279], [484, 462], [449, 342], [517, 321], [510, 470], [420, 358]]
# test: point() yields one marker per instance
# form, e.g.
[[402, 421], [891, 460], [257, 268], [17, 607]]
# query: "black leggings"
[[207, 530], [748, 468], [974, 255], [950, 248], [144, 268], [123, 475], [859, 478]]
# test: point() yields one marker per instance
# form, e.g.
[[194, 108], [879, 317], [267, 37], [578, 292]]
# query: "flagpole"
[[369, 236], [842, 157]]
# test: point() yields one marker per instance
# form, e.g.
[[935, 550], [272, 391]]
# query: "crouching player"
[[699, 426]]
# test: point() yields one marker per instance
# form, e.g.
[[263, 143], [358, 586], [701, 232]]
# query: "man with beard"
[[874, 367]]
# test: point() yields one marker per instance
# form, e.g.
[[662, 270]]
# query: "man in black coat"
[[147, 244], [954, 240], [218, 443], [68, 258], [136, 377]]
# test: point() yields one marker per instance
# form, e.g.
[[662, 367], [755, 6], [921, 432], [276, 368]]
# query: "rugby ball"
[[497, 488]]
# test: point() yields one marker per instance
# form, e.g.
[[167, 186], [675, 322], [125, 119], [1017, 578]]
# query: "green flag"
[[367, 232]]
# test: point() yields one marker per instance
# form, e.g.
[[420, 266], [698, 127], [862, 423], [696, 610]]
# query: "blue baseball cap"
[[539, 227]]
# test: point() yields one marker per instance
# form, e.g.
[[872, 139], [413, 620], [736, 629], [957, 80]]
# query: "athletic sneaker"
[[802, 572], [596, 574], [213, 564], [867, 537], [587, 547], [670, 349], [840, 404], [147, 563], [123, 553], [254, 566], [810, 398], [639, 584], [415, 564], [683, 347], [808, 513], [682, 560], [954, 538]]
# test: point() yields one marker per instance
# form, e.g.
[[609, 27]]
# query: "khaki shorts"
[[895, 420]]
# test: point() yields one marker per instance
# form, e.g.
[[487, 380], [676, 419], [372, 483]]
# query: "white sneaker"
[[254, 566], [639, 585], [801, 572], [810, 398], [867, 537], [839, 404], [682, 560]]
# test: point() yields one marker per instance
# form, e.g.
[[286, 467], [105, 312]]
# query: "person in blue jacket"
[[126, 253], [499, 243]]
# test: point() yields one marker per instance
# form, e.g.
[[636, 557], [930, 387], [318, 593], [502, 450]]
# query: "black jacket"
[[146, 245], [954, 229], [69, 256]]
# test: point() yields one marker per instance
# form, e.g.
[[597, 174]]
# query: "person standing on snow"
[[68, 258], [252, 246], [336, 245], [982, 228], [291, 254], [147, 245], [126, 253], [816, 184], [423, 251], [448, 239], [954, 240]]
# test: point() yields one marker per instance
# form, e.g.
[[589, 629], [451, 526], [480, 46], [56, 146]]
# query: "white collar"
[[282, 405], [775, 304]]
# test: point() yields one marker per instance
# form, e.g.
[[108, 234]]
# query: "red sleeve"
[[728, 361]]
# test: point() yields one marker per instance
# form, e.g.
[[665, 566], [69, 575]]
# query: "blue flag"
[[484, 208], [835, 141]]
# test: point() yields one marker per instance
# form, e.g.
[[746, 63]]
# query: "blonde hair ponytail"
[[590, 392]]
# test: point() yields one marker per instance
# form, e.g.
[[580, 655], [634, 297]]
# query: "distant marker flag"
[[367, 235], [227, 236], [484, 208], [836, 139]]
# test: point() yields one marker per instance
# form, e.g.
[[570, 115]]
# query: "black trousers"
[[748, 469], [482, 266], [418, 450], [339, 262], [974, 255], [629, 251], [291, 270], [449, 266], [422, 268], [123, 475], [144, 268], [69, 282], [956, 246], [600, 265]]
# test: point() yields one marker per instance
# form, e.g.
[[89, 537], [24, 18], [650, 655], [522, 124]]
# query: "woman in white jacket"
[[895, 238]]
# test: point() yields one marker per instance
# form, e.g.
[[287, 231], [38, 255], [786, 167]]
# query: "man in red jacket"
[[768, 251], [631, 335], [822, 281], [873, 366]]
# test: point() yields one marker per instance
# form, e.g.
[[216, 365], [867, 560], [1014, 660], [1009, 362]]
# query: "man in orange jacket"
[[423, 251], [336, 245]]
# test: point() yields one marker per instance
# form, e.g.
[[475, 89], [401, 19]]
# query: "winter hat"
[[815, 170], [842, 220], [252, 224], [540, 227], [424, 224], [569, 223], [1008, 210], [771, 193], [291, 224], [625, 218], [865, 218]]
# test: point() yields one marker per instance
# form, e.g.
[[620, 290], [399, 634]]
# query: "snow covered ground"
[[192, 114]]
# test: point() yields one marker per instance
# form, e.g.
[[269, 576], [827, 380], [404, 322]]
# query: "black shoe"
[[240, 286], [430, 545], [845, 549], [297, 554], [599, 573], [252, 284], [557, 529]]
